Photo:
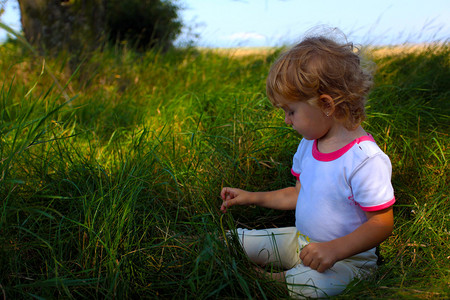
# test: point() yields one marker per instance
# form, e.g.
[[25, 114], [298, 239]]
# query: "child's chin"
[[307, 137]]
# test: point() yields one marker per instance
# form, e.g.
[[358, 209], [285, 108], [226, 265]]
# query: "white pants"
[[281, 248]]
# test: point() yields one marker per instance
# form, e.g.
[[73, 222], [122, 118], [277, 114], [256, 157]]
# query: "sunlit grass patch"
[[116, 194]]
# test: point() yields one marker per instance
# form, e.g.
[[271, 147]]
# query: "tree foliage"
[[78, 25], [144, 23], [2, 7]]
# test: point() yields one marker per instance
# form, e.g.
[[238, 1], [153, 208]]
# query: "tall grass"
[[114, 193]]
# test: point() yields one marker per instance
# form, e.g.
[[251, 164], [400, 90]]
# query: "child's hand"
[[232, 196], [319, 256]]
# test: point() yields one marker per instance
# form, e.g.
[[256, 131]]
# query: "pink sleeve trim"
[[379, 207], [295, 174]]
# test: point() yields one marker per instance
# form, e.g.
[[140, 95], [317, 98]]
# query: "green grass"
[[111, 189]]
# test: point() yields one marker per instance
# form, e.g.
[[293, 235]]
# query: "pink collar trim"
[[338, 153]]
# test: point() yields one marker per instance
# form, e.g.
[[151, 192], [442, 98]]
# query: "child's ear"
[[327, 104]]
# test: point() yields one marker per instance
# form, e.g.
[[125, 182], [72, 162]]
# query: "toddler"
[[343, 194]]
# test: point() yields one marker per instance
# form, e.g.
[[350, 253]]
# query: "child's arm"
[[322, 256], [284, 199]]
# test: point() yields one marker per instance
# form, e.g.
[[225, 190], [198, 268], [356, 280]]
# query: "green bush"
[[81, 26], [144, 23]]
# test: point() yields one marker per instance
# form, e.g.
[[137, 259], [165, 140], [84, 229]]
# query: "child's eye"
[[288, 112]]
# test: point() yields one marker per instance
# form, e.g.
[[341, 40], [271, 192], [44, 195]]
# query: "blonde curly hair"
[[320, 66]]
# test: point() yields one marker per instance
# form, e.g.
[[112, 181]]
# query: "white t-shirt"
[[336, 188]]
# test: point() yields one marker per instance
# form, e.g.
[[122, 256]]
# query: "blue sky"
[[237, 23], [228, 23]]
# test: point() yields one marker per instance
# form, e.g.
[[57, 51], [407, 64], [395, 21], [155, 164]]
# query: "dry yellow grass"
[[402, 49], [242, 52], [374, 51]]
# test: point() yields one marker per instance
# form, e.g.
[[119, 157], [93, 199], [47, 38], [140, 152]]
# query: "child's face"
[[307, 119]]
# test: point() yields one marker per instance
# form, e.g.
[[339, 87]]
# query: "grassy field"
[[111, 188]]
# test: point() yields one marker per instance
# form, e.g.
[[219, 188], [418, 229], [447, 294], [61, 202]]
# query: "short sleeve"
[[296, 161], [371, 183]]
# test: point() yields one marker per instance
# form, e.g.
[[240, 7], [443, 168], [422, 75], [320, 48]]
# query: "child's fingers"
[[225, 193], [230, 197], [303, 254], [228, 203], [225, 205], [315, 259], [223, 208]]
